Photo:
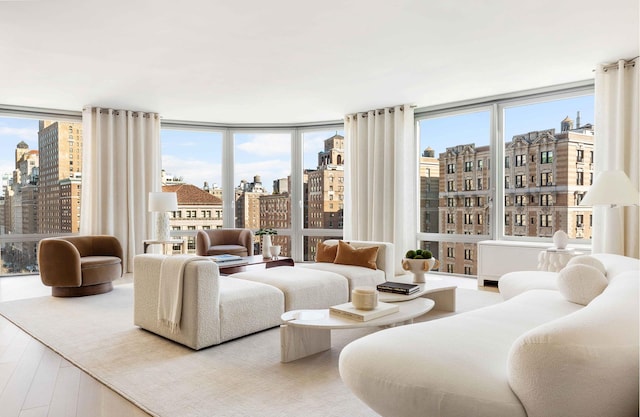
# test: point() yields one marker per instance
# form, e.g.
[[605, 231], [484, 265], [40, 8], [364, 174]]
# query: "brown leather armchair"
[[219, 241], [79, 265]]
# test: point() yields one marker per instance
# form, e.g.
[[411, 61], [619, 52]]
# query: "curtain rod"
[[381, 111], [627, 64]]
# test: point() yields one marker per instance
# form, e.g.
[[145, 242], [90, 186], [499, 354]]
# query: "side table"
[[553, 259], [149, 242]]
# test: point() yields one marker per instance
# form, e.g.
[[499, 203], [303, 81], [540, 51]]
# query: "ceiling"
[[295, 61]]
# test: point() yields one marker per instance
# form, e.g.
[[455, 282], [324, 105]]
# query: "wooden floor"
[[37, 382]]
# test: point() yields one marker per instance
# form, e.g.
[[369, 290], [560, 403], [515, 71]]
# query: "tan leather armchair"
[[79, 265], [219, 241]]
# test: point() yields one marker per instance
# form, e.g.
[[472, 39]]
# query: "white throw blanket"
[[170, 289]]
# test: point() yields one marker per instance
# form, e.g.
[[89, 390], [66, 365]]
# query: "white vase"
[[275, 251], [266, 246], [418, 267]]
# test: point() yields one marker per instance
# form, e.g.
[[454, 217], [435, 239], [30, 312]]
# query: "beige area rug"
[[243, 377]]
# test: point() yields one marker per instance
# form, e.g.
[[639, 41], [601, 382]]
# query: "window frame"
[[497, 106]]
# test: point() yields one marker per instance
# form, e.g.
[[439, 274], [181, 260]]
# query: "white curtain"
[[381, 174], [617, 147], [121, 165]]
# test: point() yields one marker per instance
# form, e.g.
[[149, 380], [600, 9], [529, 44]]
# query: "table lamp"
[[611, 188], [162, 203]]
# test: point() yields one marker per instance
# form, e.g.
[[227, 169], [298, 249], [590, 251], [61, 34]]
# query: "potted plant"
[[266, 234], [418, 262]]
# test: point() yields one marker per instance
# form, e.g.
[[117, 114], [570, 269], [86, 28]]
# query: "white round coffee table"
[[306, 332]]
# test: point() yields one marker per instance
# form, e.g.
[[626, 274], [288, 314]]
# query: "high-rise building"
[[275, 213], [326, 186], [325, 192], [546, 174], [429, 197], [20, 209], [247, 196], [60, 146]]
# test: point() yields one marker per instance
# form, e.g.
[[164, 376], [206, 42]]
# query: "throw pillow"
[[581, 283], [348, 255], [588, 260], [326, 253]]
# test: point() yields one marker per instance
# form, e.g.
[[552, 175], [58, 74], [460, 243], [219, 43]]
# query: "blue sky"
[[196, 155], [441, 133]]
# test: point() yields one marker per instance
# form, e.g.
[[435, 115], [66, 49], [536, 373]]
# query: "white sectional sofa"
[[535, 354], [215, 308], [218, 308]]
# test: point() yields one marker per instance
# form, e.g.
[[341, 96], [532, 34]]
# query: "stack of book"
[[227, 259], [347, 310], [398, 287]]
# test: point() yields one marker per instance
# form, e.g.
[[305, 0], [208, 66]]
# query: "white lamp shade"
[[611, 188], [163, 202]]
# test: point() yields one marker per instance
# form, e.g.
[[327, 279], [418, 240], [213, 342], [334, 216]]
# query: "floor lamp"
[[611, 188], [162, 204]]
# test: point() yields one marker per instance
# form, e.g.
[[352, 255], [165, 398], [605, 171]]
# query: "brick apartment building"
[[546, 174]]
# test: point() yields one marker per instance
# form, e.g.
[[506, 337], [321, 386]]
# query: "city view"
[[547, 167]]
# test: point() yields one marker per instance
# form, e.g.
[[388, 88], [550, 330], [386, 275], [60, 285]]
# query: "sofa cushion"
[[617, 264], [514, 283], [303, 288], [589, 357], [227, 249], [326, 253], [98, 261], [588, 260], [348, 255], [581, 283], [357, 276], [247, 307]]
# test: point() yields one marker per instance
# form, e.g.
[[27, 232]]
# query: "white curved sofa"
[[534, 355]]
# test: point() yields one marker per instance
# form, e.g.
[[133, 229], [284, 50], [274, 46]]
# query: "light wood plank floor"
[[37, 382]]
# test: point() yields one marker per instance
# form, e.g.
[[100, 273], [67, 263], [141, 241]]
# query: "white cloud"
[[193, 171], [30, 136], [264, 144]]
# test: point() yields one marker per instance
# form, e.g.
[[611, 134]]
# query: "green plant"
[[266, 231], [418, 254]]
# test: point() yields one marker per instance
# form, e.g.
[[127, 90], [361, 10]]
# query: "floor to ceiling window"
[[290, 180], [507, 168], [323, 196], [41, 168], [192, 168], [262, 183], [543, 145], [455, 184], [548, 166]]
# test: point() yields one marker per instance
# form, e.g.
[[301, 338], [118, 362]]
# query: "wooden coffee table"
[[306, 332], [240, 266]]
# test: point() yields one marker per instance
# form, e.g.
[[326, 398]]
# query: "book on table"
[[225, 258], [347, 310], [398, 287]]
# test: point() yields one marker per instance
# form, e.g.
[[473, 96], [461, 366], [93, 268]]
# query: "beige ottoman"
[[303, 288]]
